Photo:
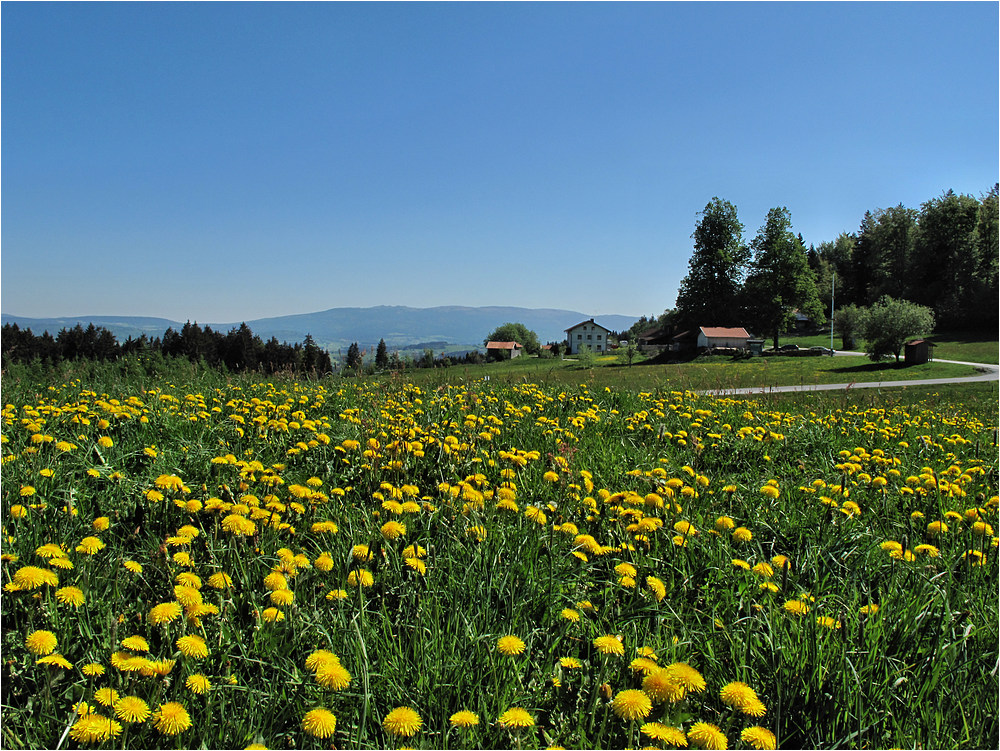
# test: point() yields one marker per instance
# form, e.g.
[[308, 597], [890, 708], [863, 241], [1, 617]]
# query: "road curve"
[[988, 372]]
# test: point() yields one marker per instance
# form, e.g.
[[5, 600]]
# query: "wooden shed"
[[918, 351]]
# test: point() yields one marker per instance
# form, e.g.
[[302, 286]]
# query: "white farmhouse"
[[719, 336], [587, 335]]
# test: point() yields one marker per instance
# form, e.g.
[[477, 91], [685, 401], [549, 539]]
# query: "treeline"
[[238, 351], [359, 362], [943, 256]]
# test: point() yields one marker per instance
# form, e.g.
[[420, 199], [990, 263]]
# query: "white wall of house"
[[587, 335], [736, 342]]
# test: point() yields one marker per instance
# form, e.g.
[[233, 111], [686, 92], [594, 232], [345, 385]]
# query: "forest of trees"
[[238, 351], [944, 256]]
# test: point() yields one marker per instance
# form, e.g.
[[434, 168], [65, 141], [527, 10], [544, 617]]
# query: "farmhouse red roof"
[[504, 345], [720, 331]]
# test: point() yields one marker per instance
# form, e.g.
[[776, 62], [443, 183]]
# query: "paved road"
[[987, 373]]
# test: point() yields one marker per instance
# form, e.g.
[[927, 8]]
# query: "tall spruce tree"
[[381, 355], [780, 280], [709, 294]]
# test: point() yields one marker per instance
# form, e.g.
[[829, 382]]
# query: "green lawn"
[[707, 373], [962, 346]]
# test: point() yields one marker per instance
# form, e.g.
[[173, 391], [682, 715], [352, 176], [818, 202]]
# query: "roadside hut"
[[918, 351]]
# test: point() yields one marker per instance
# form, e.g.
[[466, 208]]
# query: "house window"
[[579, 337], [598, 347], [589, 337], [598, 337]]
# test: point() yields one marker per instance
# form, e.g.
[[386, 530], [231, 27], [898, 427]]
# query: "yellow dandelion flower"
[[239, 525], [198, 683], [135, 568], [759, 737], [644, 665], [738, 695], [187, 595], [93, 669], [188, 579], [41, 642], [165, 612], [660, 732], [272, 614], [106, 696], [724, 524], [464, 719], [657, 587], [631, 705], [705, 735], [90, 546], [742, 534], [687, 676], [361, 577], [319, 722], [510, 645], [392, 530], [321, 657], [220, 580], [609, 645], [515, 717], [796, 607], [50, 550], [402, 722], [193, 646], [33, 577], [570, 663], [661, 685], [417, 565], [172, 718], [131, 709], [333, 675], [135, 643]]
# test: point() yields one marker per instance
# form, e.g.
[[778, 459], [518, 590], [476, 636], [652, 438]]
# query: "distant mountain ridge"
[[337, 328]]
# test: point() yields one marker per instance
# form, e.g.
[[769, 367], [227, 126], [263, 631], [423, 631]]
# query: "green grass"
[[603, 458], [961, 346], [701, 374]]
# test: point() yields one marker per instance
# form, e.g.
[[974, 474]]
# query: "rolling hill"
[[460, 327]]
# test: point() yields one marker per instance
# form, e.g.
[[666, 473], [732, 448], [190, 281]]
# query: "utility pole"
[[833, 291]]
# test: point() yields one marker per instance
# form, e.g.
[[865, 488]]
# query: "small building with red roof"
[[720, 336], [503, 349]]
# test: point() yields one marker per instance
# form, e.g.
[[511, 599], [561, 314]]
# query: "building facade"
[[587, 335]]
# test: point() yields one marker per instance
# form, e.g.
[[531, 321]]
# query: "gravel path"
[[988, 372]]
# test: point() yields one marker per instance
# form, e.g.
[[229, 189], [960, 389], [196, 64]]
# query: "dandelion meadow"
[[230, 563]]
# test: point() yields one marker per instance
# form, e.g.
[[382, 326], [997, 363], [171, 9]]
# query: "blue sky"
[[225, 162]]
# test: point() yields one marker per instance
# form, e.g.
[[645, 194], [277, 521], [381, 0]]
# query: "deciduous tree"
[[889, 323], [780, 280], [515, 332], [848, 322]]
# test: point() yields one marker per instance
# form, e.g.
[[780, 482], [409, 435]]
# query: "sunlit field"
[[366, 564]]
